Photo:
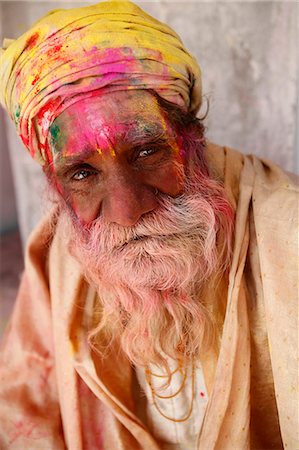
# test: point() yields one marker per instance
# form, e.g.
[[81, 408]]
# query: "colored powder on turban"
[[75, 53]]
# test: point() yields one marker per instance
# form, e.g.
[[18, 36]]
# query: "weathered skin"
[[112, 154]]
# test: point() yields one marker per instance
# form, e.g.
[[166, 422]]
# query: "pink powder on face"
[[107, 134], [110, 123]]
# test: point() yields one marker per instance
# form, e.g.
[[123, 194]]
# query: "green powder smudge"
[[17, 115], [55, 136]]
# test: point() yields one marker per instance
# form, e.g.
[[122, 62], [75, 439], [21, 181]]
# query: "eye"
[[146, 152], [82, 174]]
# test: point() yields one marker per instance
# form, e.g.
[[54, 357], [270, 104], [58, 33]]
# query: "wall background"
[[248, 52]]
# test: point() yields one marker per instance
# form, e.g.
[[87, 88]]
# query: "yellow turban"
[[72, 54]]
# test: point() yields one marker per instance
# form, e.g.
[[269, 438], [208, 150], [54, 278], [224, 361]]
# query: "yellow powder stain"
[[112, 151], [72, 349]]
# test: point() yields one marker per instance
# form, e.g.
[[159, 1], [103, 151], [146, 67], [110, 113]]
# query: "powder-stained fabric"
[[55, 393], [72, 54]]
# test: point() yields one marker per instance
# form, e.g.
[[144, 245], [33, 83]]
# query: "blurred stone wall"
[[248, 52], [8, 212]]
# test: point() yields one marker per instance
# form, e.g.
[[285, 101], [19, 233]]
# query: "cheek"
[[85, 211], [85, 208], [170, 179]]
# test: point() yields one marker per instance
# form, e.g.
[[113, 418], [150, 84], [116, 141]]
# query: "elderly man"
[[157, 308]]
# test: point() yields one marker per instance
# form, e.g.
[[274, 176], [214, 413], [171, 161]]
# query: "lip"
[[150, 236], [142, 238], [135, 240]]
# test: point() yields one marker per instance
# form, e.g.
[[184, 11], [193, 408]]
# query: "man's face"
[[112, 154], [149, 246]]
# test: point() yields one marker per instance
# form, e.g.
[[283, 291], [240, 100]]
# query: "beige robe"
[[56, 394]]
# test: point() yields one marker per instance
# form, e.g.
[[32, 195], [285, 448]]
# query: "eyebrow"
[[144, 134], [63, 162]]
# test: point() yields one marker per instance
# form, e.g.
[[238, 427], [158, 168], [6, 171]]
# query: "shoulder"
[[271, 176], [39, 244], [236, 169], [275, 193]]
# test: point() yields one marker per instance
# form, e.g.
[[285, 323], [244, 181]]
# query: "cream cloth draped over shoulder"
[[55, 393]]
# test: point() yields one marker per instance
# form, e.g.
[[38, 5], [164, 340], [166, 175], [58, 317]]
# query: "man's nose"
[[127, 200]]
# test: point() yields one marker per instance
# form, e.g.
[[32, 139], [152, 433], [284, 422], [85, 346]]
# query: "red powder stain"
[[54, 50], [44, 378], [202, 394], [25, 140], [21, 429], [35, 80], [48, 109], [31, 41], [25, 428], [47, 152]]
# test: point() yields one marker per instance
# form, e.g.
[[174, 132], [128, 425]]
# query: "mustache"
[[168, 221]]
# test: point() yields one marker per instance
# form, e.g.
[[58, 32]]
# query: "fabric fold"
[[74, 401]]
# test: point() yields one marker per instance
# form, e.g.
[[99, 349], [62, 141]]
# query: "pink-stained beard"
[[150, 277]]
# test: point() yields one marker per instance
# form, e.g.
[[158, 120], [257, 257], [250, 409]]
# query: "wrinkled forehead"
[[114, 117], [122, 107]]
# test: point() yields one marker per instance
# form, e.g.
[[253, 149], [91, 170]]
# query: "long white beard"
[[150, 276]]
